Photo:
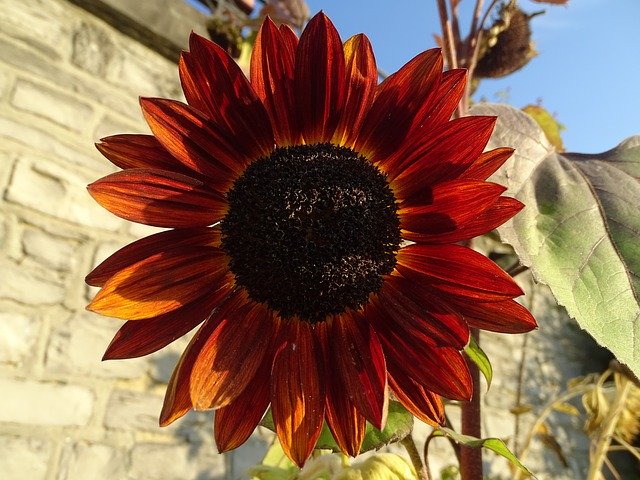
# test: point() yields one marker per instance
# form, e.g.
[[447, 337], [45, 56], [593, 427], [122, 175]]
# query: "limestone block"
[[43, 141], [18, 334], [61, 108], [83, 461], [52, 251], [36, 403], [133, 410], [111, 126], [93, 49], [27, 287], [175, 462], [5, 81], [50, 188], [147, 73], [77, 346], [44, 25], [24, 458]]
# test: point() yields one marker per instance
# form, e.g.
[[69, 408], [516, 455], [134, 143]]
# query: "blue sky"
[[587, 72]]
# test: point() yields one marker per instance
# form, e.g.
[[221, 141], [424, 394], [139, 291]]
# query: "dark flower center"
[[311, 230]]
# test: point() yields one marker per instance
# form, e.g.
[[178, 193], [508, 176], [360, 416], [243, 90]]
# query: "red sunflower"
[[314, 220]]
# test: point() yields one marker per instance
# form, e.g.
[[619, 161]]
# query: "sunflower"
[[315, 218]]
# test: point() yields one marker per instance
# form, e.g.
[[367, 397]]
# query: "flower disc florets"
[[311, 230]]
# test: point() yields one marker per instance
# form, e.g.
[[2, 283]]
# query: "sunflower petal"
[[319, 80], [425, 405], [406, 305], [151, 245], [447, 206], [441, 154], [458, 271], [493, 217], [142, 337], [398, 101], [487, 164], [362, 78], [159, 198], [235, 423], [160, 283], [214, 83], [272, 65], [297, 392], [139, 151], [504, 317], [231, 356], [194, 140], [360, 362]]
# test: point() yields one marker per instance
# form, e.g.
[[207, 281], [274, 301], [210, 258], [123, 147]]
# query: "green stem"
[[471, 458], [414, 455]]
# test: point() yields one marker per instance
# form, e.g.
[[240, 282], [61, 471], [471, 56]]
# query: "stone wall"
[[67, 78]]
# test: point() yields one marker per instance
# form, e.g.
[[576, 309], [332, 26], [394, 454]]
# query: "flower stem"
[[471, 458], [414, 455]]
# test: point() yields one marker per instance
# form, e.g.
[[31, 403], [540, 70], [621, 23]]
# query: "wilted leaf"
[[579, 231], [553, 2], [477, 356], [550, 126], [494, 444], [520, 409], [399, 425], [567, 408]]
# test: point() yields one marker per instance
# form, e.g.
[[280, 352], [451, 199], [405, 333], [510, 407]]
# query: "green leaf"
[[579, 231], [494, 444], [477, 356], [399, 425]]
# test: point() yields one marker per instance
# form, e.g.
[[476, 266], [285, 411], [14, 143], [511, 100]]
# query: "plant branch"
[[471, 458], [421, 471], [448, 46]]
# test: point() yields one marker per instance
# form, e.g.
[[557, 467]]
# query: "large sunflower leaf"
[[580, 229], [399, 425]]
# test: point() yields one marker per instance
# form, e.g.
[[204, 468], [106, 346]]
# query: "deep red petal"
[[487, 164], [297, 391], [447, 206], [493, 217], [404, 304], [231, 356], [442, 370], [161, 283], [439, 155], [319, 80], [425, 405], [139, 151], [195, 141], [152, 245], [398, 101], [362, 78], [456, 270], [159, 198], [142, 337], [272, 66], [235, 423], [504, 317], [358, 357], [214, 83]]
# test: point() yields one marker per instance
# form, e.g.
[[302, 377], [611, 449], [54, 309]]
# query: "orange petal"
[[362, 78], [504, 317], [195, 141], [425, 405], [358, 357], [140, 151], [214, 83], [319, 80], [297, 391], [398, 101], [235, 423], [487, 164], [502, 210], [152, 245], [272, 64], [159, 198], [161, 283], [142, 337], [231, 356], [456, 270]]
